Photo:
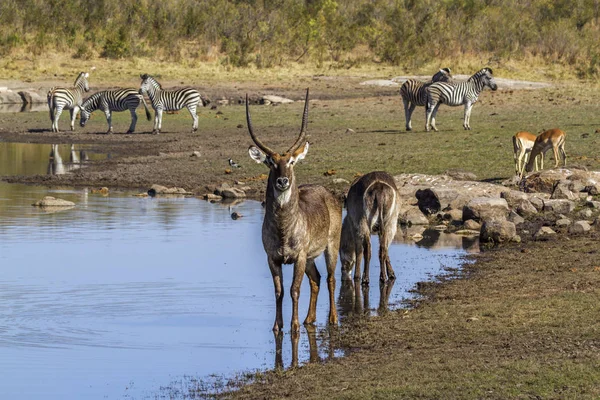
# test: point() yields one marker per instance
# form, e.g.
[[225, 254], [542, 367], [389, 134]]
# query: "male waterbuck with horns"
[[373, 206], [301, 222]]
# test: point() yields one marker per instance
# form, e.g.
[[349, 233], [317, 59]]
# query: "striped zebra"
[[456, 94], [60, 98], [114, 100], [414, 93], [169, 100]]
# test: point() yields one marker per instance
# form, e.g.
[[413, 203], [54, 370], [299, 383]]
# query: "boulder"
[[544, 233], [413, 216], [525, 209], [537, 202], [460, 175], [593, 204], [486, 209], [7, 96], [561, 191], [159, 189], [513, 197], [211, 197], [563, 222], [586, 213], [434, 200], [472, 225], [453, 216], [592, 188], [232, 193], [270, 99], [545, 180], [50, 201], [497, 231], [515, 218], [32, 97], [580, 227], [560, 206]]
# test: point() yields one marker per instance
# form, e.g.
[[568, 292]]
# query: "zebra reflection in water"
[[56, 165]]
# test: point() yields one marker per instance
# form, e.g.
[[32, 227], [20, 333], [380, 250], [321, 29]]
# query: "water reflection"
[[23, 107], [433, 239], [56, 166], [41, 159]]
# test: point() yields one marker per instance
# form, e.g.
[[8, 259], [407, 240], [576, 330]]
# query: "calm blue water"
[[128, 297]]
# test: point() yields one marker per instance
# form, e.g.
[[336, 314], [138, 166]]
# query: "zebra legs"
[[192, 110], [157, 121], [408, 110], [466, 123], [430, 116], [109, 120], [133, 120], [73, 113], [57, 111]]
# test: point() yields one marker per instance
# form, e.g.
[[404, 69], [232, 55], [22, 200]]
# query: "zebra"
[[60, 98], [169, 100], [114, 100], [456, 94], [414, 93]]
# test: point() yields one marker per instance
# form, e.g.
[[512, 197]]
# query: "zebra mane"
[[82, 75], [91, 101], [480, 73], [146, 76]]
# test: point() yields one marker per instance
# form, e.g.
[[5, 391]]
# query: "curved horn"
[[258, 143], [302, 135]]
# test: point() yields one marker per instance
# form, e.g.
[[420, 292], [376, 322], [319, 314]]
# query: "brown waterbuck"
[[373, 206], [301, 222]]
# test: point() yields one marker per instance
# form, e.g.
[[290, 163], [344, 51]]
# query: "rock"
[[440, 227], [563, 222], [211, 196], [562, 191], [433, 200], [467, 232], [580, 227], [461, 175], [586, 213], [593, 204], [596, 224], [270, 99], [222, 101], [340, 181], [351, 131], [9, 97], [233, 193], [592, 188], [472, 225], [235, 215], [486, 209], [379, 82], [103, 191], [525, 209], [497, 231], [576, 186], [545, 180], [453, 216], [159, 189], [29, 96], [515, 218], [544, 233], [50, 201], [537, 202], [413, 216], [513, 197], [195, 154], [559, 206]]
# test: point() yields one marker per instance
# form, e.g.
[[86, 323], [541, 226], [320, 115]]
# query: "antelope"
[[373, 206], [300, 223], [553, 138], [522, 145]]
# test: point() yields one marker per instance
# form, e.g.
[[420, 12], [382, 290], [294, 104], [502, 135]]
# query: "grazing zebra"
[[60, 98], [456, 94], [414, 93], [114, 100], [169, 100]]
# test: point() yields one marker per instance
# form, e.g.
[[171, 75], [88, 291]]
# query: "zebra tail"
[[50, 104], [148, 115]]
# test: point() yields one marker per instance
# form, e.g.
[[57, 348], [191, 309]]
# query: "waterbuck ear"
[[257, 155], [300, 153]]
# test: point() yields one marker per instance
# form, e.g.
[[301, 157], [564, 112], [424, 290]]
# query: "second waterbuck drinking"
[[373, 206], [301, 222]]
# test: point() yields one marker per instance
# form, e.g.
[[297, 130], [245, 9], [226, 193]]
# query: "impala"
[[522, 145], [301, 222], [373, 206], [551, 139]]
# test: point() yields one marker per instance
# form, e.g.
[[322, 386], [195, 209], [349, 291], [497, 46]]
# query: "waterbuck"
[[373, 206], [301, 222]]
